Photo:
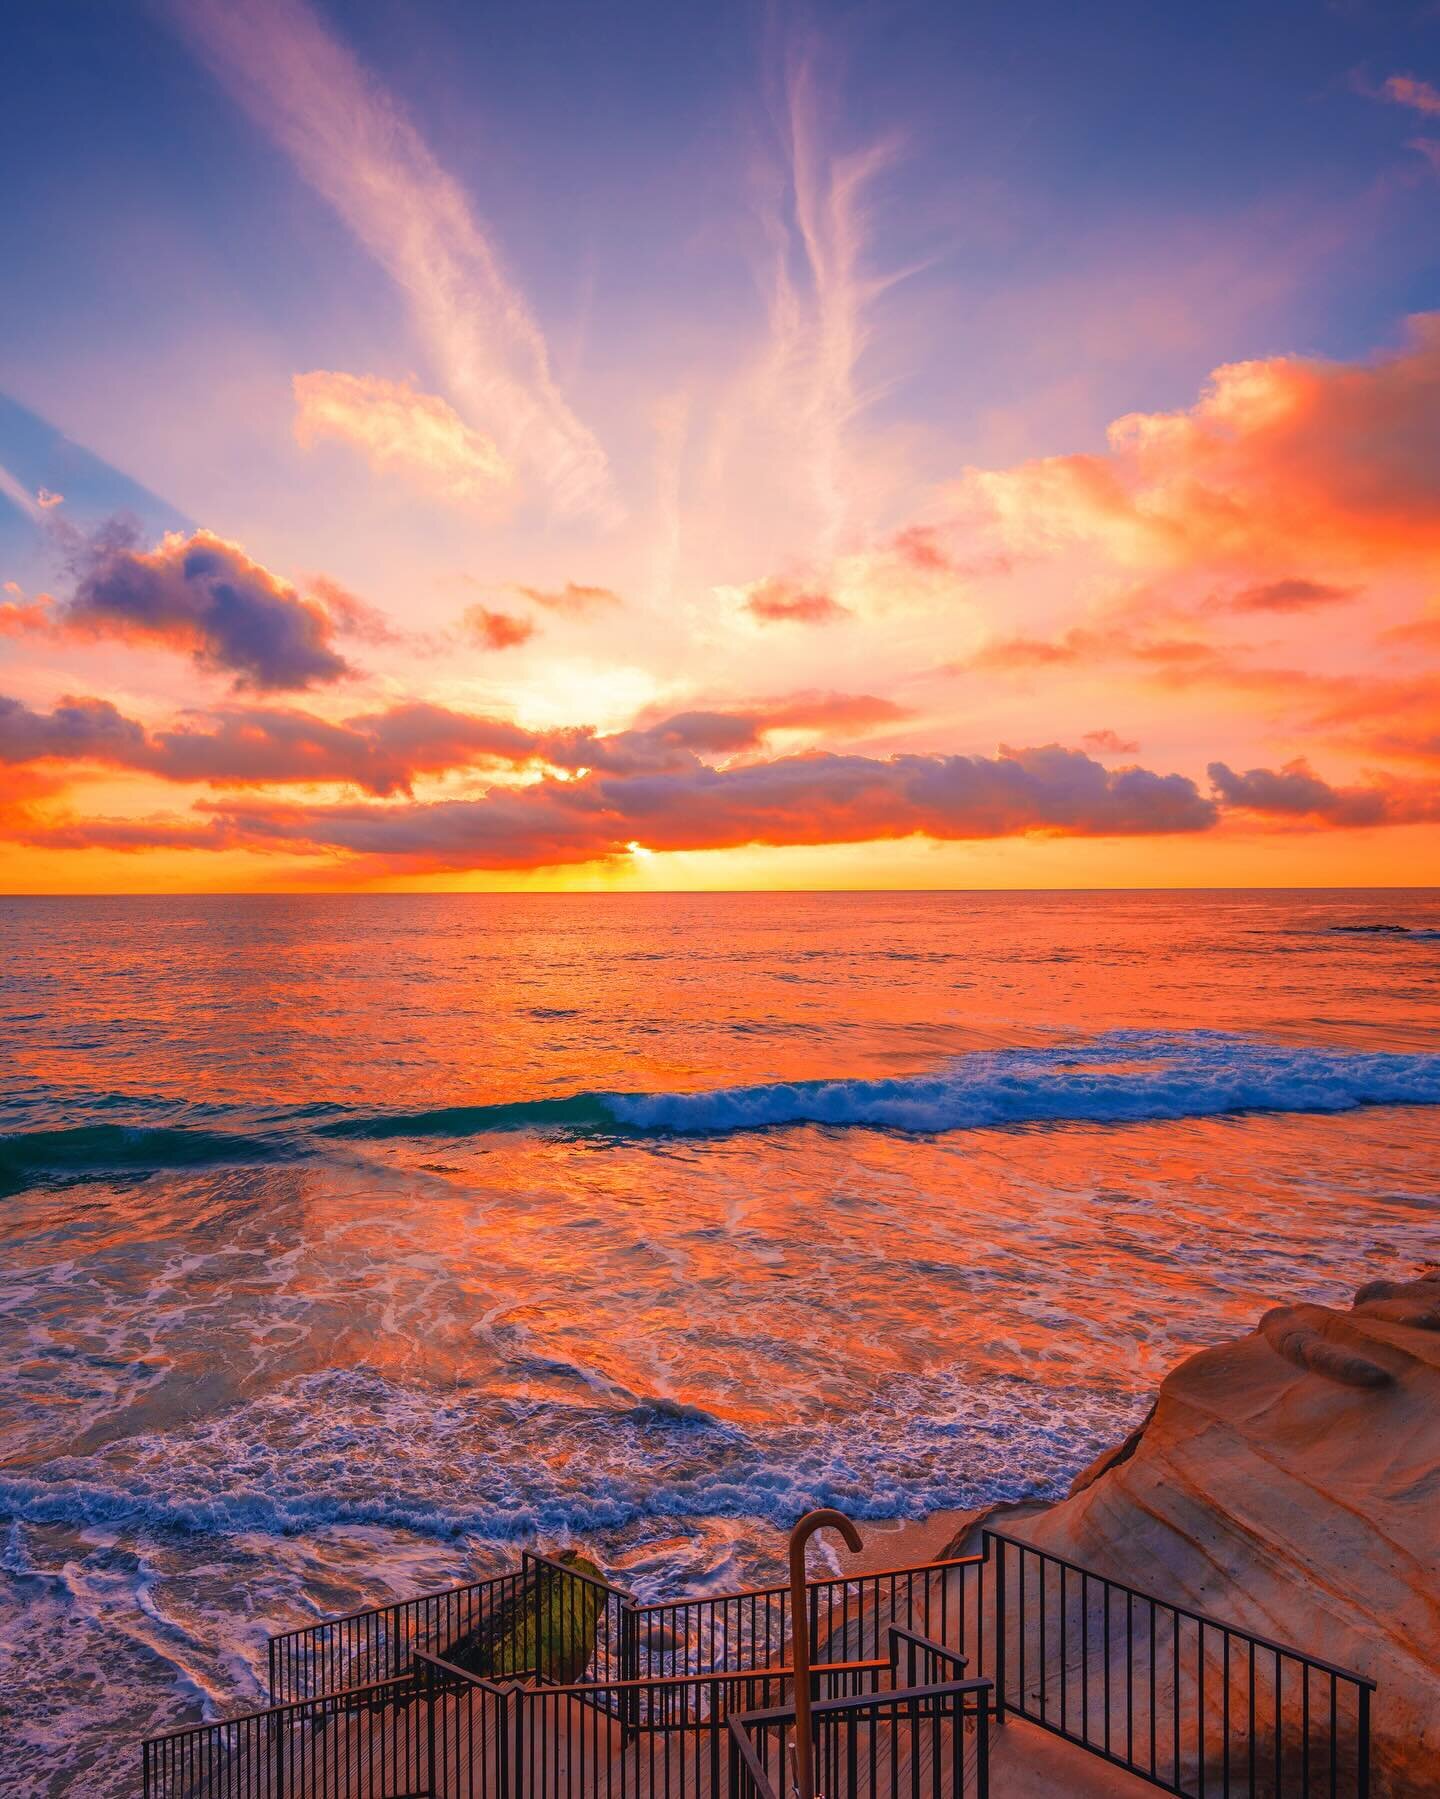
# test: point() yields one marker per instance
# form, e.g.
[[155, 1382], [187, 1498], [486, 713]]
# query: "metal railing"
[[1188, 1702], [849, 1618], [633, 1739], [443, 1731], [369, 1740], [375, 1644], [536, 1620], [560, 1672], [927, 1742]]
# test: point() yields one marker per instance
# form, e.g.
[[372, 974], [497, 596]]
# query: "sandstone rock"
[[1289, 1483]]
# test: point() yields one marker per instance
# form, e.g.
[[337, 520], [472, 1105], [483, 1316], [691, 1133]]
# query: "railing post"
[[502, 1746], [1362, 1747], [629, 1670], [982, 1750], [540, 1571], [517, 1762], [430, 1685], [1000, 1624], [277, 1787]]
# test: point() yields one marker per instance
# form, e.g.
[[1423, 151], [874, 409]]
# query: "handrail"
[[1185, 1611], [784, 1714], [390, 1605], [741, 1744], [466, 1674], [605, 1586], [715, 1677], [826, 1580], [638, 1607], [273, 1711], [928, 1644], [742, 1723]]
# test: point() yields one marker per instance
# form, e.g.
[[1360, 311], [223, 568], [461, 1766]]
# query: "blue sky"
[[448, 306]]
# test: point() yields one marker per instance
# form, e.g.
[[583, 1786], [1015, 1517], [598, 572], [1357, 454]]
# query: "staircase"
[[548, 1682]]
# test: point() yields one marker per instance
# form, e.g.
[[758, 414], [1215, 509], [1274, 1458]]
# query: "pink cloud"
[[1279, 458], [1419, 96], [777, 601], [1297, 792], [399, 431], [573, 597], [498, 630], [1106, 742]]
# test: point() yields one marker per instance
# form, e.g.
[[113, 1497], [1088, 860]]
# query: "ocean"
[[352, 1243]]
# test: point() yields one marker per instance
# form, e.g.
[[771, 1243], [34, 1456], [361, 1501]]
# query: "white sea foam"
[[347, 1449], [1120, 1077]]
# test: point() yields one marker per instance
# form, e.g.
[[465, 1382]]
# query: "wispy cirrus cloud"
[[355, 146], [399, 431], [1409, 90], [789, 415], [574, 597]]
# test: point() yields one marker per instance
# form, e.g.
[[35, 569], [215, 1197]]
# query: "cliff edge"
[[1289, 1483]]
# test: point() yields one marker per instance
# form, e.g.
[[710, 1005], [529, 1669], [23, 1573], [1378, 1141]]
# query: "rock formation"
[[1289, 1483]]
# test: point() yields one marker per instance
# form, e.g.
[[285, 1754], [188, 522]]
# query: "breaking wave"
[[1120, 1077]]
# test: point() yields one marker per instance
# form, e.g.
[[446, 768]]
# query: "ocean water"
[[351, 1243]]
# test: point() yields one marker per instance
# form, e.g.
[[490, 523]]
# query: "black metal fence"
[[536, 1621], [849, 1618], [928, 1742], [637, 1739], [1191, 1704], [369, 1742], [559, 1675], [375, 1644]]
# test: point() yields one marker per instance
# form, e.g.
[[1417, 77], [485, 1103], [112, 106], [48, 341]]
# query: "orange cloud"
[[818, 799], [247, 746], [27, 619], [777, 601], [498, 630], [384, 752], [1279, 459], [1420, 96], [399, 431], [572, 597]]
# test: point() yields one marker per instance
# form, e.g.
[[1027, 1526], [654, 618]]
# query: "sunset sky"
[[579, 446]]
